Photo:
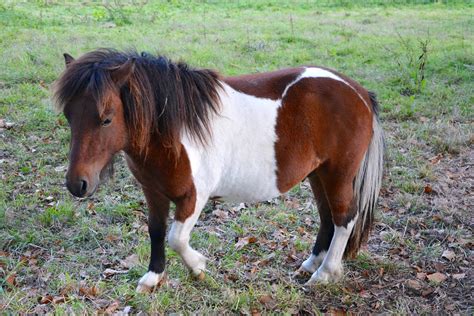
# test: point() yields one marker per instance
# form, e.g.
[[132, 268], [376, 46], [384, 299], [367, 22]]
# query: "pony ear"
[[121, 74], [68, 59]]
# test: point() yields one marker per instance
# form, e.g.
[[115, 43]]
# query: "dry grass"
[[55, 250]]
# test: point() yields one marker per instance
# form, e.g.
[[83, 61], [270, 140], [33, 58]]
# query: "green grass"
[[54, 244]]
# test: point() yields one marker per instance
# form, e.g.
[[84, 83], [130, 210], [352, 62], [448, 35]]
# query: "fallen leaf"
[[437, 277], [66, 290], [11, 279], [5, 124], [59, 299], [292, 203], [245, 241], [220, 214], [414, 284], [143, 228], [255, 312], [130, 262], [112, 307], [450, 307], [376, 305], [88, 291], [436, 159], [60, 168], [291, 258], [427, 292], [268, 301], [448, 254], [264, 299], [439, 266], [231, 277], [111, 272], [428, 189], [459, 276], [421, 275], [111, 238], [101, 304], [45, 299]]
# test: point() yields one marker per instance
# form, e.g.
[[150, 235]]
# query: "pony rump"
[[160, 97]]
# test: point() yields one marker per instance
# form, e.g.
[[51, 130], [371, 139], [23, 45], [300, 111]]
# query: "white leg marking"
[[313, 262], [331, 269], [149, 281], [179, 236]]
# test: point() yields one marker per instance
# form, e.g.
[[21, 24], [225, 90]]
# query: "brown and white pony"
[[190, 135]]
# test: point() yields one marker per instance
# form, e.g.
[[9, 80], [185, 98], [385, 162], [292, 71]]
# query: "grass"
[[54, 245]]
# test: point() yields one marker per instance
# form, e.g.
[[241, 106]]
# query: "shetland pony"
[[190, 135]]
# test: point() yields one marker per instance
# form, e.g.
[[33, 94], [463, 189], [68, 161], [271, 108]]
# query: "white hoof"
[[149, 281], [324, 276], [311, 264], [198, 265]]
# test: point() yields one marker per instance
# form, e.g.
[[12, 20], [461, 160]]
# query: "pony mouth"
[[92, 192], [91, 183], [104, 175], [107, 171]]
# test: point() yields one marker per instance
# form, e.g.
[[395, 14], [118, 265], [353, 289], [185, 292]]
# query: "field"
[[63, 255]]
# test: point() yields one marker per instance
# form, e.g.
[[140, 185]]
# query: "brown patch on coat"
[[166, 172], [361, 90], [315, 127]]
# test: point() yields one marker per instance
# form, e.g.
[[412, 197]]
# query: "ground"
[[63, 255]]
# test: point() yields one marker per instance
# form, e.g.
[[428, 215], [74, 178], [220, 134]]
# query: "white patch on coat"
[[314, 72], [179, 236], [149, 281], [331, 268], [239, 164]]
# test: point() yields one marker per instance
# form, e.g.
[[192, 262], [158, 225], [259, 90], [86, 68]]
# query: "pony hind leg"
[[326, 227], [339, 193]]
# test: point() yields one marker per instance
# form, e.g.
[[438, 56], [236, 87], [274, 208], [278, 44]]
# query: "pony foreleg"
[[158, 206], [180, 233]]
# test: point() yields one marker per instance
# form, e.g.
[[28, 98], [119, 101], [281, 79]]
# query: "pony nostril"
[[83, 187]]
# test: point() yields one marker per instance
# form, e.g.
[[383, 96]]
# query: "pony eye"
[[106, 122]]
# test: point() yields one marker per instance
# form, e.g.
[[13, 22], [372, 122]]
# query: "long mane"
[[161, 98]]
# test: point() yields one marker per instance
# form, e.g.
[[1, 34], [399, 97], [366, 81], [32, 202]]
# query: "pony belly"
[[247, 190]]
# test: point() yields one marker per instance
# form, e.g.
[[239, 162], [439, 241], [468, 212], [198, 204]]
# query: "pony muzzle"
[[78, 188], [81, 186]]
